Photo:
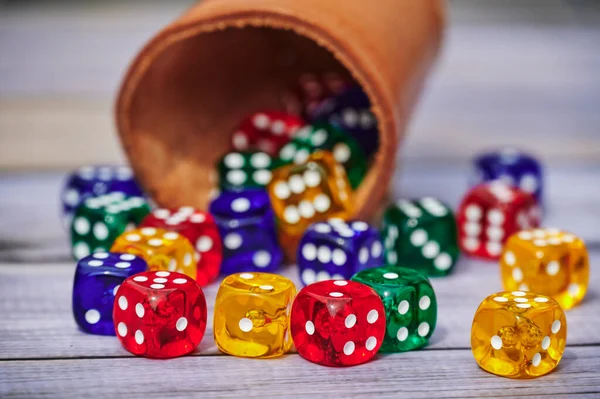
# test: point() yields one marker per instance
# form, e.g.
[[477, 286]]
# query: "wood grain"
[[36, 310], [421, 374]]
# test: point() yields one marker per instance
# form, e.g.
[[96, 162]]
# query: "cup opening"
[[194, 93]]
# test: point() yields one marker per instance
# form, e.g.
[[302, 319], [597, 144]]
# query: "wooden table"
[[509, 77]]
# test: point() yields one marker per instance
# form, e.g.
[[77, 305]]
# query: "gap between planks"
[[415, 374]]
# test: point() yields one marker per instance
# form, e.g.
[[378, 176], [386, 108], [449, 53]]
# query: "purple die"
[[337, 250], [97, 279], [511, 166], [246, 222], [351, 112], [93, 181]]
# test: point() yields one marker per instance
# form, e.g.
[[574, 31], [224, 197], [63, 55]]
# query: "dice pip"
[[337, 250], [518, 334], [160, 314], [547, 261], [163, 250], [337, 323], [252, 313], [246, 224], [421, 234], [100, 220], [410, 306], [490, 213], [201, 231], [97, 279]]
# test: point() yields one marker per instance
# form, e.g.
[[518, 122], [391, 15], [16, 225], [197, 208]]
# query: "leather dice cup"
[[223, 60]]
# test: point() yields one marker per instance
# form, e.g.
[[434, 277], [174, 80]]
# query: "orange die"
[[161, 249], [310, 192], [547, 261]]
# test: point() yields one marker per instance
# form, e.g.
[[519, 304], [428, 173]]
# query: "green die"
[[323, 136], [248, 169], [100, 220], [410, 306], [421, 235]]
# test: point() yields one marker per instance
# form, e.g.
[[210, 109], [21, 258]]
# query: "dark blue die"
[[337, 250], [93, 181], [511, 166], [97, 279], [351, 112], [246, 222]]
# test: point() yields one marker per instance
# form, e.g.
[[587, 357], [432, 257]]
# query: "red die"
[[200, 229], [312, 89], [490, 213], [159, 314], [266, 131], [337, 323]]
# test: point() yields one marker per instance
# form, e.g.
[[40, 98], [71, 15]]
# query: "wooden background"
[[522, 73]]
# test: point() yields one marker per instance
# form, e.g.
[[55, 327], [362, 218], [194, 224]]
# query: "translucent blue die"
[[97, 279], [351, 111], [511, 166], [93, 181], [337, 250], [246, 222]]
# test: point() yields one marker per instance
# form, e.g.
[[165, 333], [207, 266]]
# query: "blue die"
[[351, 112], [93, 181], [97, 279], [337, 250], [246, 222], [511, 166]]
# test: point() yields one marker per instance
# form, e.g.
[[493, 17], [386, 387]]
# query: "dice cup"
[[190, 86]]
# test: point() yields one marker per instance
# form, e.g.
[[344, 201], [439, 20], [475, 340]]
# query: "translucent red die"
[[160, 314], [200, 229], [266, 131], [337, 323], [490, 213]]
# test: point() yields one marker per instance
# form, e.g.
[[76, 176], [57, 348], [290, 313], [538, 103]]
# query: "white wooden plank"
[[423, 374], [36, 311]]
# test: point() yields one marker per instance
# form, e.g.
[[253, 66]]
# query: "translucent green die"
[[410, 306], [421, 235], [100, 220], [323, 136], [248, 169]]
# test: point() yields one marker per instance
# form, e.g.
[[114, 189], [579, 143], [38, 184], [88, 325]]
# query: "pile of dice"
[[285, 190]]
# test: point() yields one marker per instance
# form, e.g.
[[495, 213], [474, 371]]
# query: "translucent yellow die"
[[548, 261], [163, 250], [518, 334], [252, 315], [310, 192]]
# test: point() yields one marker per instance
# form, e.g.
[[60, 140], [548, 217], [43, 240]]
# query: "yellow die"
[[163, 250], [314, 191], [252, 315], [518, 334], [547, 261]]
